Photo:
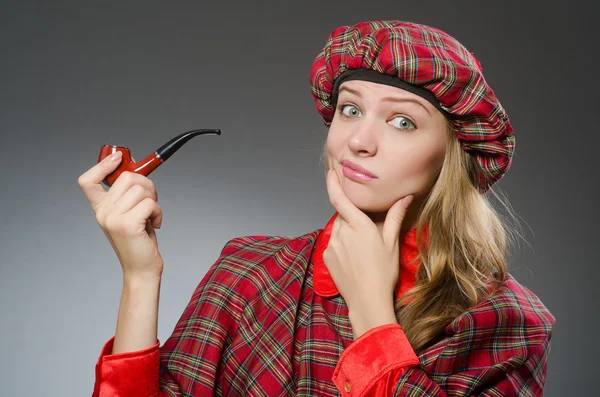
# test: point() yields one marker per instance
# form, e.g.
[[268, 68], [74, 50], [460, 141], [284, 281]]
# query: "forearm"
[[137, 322]]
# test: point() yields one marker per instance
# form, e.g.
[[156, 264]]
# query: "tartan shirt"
[[267, 320]]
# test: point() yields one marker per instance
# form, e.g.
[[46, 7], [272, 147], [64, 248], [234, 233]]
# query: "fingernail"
[[406, 201], [115, 156]]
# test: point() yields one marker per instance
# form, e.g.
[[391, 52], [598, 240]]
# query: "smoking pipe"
[[153, 160]]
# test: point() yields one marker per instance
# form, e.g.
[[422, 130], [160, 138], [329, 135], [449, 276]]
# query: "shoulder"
[[256, 247], [512, 315], [248, 264]]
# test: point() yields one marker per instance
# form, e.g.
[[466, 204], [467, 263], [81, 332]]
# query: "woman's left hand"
[[364, 263]]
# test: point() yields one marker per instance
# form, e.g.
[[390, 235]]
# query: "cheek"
[[431, 161], [334, 143], [418, 167]]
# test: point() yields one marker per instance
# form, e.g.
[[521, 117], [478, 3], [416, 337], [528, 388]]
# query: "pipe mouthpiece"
[[167, 150]]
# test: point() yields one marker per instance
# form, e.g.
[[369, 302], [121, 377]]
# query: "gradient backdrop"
[[76, 75]]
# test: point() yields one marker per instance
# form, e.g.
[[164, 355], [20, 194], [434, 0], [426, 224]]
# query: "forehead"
[[379, 92], [368, 88], [373, 90]]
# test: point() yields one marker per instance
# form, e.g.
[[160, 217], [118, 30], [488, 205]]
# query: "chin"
[[368, 204]]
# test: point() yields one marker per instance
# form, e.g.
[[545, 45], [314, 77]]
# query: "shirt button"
[[347, 387]]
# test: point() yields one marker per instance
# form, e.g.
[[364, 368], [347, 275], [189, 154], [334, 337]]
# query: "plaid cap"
[[430, 59]]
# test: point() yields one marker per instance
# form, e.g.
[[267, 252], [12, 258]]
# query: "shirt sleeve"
[[490, 355], [134, 374], [374, 360]]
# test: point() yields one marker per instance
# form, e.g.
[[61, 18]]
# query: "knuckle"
[[111, 224], [148, 181], [84, 180], [100, 210], [153, 190], [100, 218], [148, 202], [138, 189], [127, 177]]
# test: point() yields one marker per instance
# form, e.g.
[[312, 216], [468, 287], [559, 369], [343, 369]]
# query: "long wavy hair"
[[465, 256]]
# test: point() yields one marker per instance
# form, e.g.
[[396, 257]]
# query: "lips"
[[358, 168]]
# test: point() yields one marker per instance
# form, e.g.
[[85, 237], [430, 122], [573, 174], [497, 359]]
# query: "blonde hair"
[[465, 256]]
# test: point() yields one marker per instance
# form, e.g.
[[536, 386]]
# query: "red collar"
[[323, 283]]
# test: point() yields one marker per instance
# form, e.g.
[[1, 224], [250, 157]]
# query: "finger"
[[351, 214], [125, 181], [90, 180], [156, 217], [148, 209], [156, 220], [151, 232], [337, 224], [131, 198], [393, 221]]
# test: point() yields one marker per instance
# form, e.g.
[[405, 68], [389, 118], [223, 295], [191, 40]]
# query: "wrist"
[[141, 279], [365, 319]]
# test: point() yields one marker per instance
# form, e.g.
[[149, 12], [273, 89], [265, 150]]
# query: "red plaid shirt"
[[266, 320]]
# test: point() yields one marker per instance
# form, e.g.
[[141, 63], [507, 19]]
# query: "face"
[[398, 137]]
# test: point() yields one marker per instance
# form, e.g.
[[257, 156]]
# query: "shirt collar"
[[323, 283]]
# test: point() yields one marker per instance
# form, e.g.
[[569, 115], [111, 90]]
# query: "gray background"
[[76, 75]]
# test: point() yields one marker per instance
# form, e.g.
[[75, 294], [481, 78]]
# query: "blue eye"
[[353, 113], [404, 124]]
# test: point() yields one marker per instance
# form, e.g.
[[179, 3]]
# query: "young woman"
[[404, 292]]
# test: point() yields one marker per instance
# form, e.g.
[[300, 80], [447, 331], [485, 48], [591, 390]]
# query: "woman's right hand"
[[127, 214]]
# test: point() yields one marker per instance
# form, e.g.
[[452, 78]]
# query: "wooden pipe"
[[150, 162]]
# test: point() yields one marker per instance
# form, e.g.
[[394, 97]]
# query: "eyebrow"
[[387, 98]]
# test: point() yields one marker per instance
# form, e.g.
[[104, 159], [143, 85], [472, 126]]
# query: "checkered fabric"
[[429, 58], [255, 327]]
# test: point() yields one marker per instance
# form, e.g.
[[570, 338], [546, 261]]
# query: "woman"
[[405, 292]]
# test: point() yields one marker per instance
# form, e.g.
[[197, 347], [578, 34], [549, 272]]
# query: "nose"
[[363, 139]]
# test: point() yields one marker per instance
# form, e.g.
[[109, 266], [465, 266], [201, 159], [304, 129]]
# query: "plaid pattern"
[[255, 327], [429, 58]]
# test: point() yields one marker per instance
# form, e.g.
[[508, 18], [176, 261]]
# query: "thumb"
[[90, 180], [393, 220]]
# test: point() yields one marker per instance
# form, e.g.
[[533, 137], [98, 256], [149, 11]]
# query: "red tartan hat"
[[425, 59]]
